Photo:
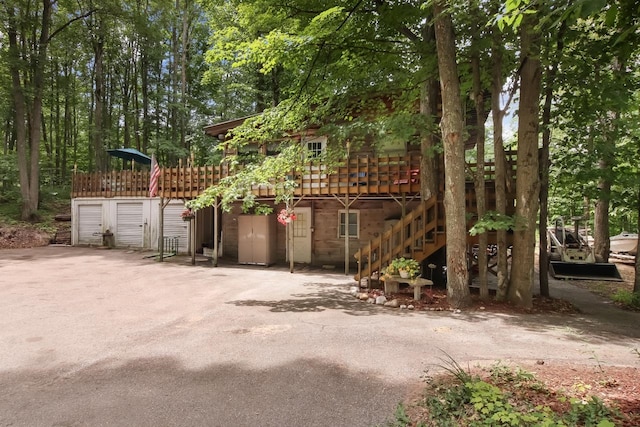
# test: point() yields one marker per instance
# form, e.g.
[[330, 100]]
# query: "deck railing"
[[360, 175], [110, 184], [357, 175]]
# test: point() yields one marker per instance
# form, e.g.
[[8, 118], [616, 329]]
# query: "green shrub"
[[465, 400]]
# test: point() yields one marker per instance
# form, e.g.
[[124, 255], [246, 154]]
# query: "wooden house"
[[359, 216]]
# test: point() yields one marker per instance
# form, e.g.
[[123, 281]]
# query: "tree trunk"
[[500, 161], [601, 215], [20, 110], [98, 114], [527, 182], [429, 170], [28, 147], [429, 174], [636, 282], [606, 163], [543, 257], [184, 68], [479, 181], [452, 128]]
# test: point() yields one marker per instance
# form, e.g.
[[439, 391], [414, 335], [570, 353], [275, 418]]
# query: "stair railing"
[[418, 234]]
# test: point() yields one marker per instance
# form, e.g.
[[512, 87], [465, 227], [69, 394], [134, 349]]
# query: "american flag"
[[153, 179]]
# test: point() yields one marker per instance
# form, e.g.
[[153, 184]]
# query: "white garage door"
[[129, 232], [90, 224], [174, 226]]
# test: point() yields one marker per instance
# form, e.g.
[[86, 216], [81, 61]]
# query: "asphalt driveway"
[[106, 337]]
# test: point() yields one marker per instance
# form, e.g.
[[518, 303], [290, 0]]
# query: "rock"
[[393, 303], [402, 307], [363, 296], [371, 301], [381, 300], [353, 290], [410, 307]]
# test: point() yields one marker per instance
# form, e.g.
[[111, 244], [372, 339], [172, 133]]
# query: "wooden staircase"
[[419, 234]]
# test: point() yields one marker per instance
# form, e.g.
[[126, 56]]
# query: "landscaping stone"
[[393, 303], [380, 300]]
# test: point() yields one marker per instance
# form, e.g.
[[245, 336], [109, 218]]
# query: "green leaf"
[[610, 17]]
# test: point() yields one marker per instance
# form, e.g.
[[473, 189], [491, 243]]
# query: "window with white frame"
[[354, 223], [316, 145]]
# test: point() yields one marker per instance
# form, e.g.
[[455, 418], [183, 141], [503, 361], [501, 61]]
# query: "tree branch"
[[66, 24]]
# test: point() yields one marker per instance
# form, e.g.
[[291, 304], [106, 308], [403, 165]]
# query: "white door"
[[90, 224], [302, 235], [129, 227], [174, 226]]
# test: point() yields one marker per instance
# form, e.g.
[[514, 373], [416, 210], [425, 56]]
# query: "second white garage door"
[[130, 230]]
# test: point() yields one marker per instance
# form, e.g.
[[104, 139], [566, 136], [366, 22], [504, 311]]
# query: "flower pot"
[[187, 218], [404, 274]]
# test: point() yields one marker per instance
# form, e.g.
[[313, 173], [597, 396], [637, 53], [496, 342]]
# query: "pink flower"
[[286, 216]]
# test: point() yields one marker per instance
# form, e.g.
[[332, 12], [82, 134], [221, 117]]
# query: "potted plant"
[[405, 267], [187, 215]]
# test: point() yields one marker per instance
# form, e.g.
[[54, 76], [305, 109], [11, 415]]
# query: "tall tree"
[[28, 29], [527, 178], [497, 114], [452, 126]]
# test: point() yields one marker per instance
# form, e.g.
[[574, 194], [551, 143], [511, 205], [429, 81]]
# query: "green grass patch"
[[627, 298], [53, 201]]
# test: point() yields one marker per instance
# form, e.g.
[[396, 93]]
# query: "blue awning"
[[130, 154]]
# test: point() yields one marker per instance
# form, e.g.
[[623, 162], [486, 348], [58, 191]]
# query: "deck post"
[[161, 231], [214, 259], [192, 234], [289, 230], [346, 233]]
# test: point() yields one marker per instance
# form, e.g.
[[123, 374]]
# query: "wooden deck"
[[381, 175], [358, 175]]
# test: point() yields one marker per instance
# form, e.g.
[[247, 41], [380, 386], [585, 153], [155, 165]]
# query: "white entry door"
[[90, 224], [130, 230], [302, 235]]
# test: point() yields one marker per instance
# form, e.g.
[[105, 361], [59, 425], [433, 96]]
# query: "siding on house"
[[133, 221], [326, 246]]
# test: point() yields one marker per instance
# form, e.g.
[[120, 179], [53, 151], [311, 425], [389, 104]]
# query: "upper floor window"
[[315, 145]]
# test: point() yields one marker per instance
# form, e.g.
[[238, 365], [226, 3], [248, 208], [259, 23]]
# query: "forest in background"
[[79, 77]]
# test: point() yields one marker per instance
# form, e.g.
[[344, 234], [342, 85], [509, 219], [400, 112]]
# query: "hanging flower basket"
[[187, 215], [286, 216]]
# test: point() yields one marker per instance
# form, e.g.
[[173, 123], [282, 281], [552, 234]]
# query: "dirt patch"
[[18, 237], [616, 386], [436, 300]]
